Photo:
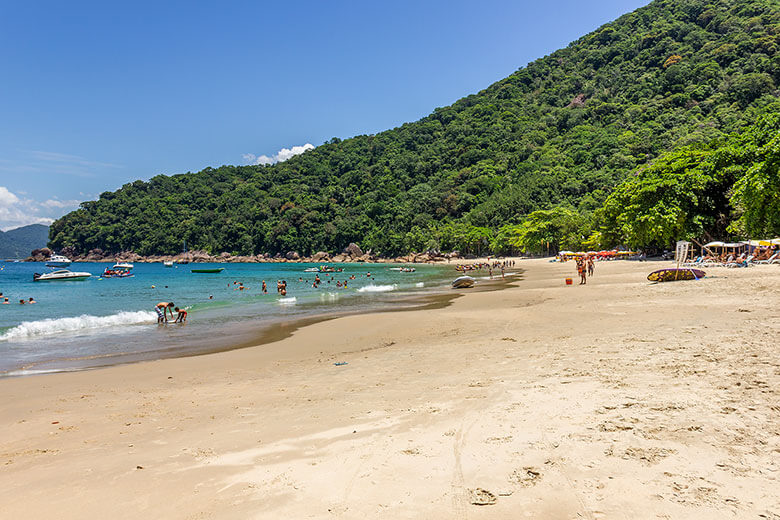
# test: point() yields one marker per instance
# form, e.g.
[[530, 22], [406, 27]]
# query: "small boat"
[[210, 270], [60, 275], [168, 263], [674, 274], [119, 270], [323, 269], [463, 282], [58, 261]]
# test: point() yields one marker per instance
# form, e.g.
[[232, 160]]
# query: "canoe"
[[215, 270], [463, 282], [674, 274]]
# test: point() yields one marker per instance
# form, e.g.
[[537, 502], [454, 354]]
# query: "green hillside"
[[17, 243], [558, 135]]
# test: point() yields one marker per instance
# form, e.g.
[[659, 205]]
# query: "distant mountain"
[[17, 243]]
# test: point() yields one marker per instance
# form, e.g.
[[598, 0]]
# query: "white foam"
[[48, 327], [329, 297], [377, 288], [420, 284], [287, 301]]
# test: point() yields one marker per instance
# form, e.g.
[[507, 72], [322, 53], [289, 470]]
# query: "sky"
[[94, 95]]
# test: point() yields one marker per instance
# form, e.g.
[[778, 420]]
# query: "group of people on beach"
[[6, 301], [758, 255], [490, 266], [586, 266]]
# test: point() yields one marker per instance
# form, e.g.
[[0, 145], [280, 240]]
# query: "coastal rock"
[[240, 259], [39, 255], [353, 250], [128, 256], [320, 256], [94, 255], [293, 255], [338, 258]]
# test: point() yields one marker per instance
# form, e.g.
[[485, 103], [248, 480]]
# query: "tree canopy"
[[647, 96]]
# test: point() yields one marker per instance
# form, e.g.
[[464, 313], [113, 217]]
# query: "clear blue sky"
[[97, 94]]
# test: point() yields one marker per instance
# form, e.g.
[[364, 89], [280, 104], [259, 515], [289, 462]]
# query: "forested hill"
[[562, 132], [17, 243]]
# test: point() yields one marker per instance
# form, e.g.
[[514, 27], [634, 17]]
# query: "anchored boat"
[[58, 261], [60, 275], [212, 270]]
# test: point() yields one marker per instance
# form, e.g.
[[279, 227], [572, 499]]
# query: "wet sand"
[[618, 399]]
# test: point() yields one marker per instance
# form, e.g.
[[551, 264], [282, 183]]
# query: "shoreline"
[[256, 335], [614, 399]]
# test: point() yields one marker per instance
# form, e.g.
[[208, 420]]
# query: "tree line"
[[557, 154]]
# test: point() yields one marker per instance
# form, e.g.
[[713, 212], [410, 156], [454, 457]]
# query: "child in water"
[[181, 317]]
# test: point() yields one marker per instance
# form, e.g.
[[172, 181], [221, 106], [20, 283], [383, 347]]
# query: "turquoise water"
[[96, 322]]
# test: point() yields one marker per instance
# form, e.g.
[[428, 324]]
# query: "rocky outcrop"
[[292, 255], [39, 255], [353, 250], [320, 256]]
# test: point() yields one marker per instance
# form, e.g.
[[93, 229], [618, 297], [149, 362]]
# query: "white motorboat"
[[58, 261], [463, 282], [60, 275], [122, 265], [168, 263]]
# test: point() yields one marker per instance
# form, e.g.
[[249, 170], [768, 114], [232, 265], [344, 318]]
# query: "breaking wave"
[[48, 327], [377, 288]]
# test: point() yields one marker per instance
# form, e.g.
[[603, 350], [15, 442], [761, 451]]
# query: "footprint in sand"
[[526, 477], [481, 497]]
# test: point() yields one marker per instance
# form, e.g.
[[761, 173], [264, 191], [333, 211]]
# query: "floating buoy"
[[569, 281]]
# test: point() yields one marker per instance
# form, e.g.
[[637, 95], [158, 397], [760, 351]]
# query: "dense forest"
[[658, 126]]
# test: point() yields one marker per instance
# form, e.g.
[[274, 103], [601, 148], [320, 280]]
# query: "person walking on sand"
[[591, 266], [160, 308]]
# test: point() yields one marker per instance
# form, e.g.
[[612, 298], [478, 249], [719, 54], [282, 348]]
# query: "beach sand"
[[618, 399]]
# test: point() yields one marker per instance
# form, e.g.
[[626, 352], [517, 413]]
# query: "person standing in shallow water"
[[160, 308]]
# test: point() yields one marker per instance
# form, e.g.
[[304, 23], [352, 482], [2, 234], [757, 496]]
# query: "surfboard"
[[674, 274]]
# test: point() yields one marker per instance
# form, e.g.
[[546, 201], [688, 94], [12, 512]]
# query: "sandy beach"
[[618, 399]]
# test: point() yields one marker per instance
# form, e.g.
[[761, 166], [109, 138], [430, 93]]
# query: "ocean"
[[100, 321]]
